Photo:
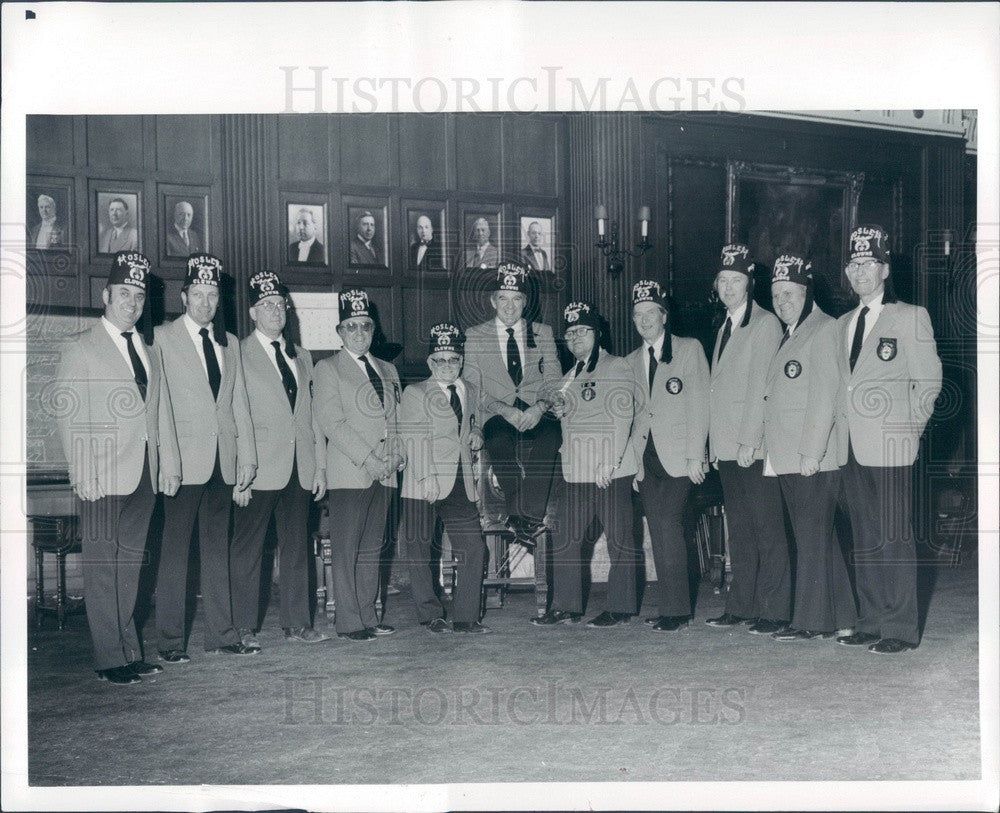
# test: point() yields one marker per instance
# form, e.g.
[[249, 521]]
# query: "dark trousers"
[[461, 521], [357, 521], [663, 499], [824, 601], [582, 503], [879, 501], [290, 508], [536, 450], [758, 547], [209, 503], [113, 539]]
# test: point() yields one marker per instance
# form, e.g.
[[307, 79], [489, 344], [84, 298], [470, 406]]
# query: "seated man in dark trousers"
[[596, 404], [439, 423], [514, 364], [890, 374], [119, 459], [292, 464], [671, 376], [355, 400]]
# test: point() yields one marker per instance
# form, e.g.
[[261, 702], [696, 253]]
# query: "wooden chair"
[[58, 535]]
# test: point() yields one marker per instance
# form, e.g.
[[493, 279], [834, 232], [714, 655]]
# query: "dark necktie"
[[456, 404], [211, 362], [376, 381], [579, 369], [726, 333], [138, 368], [652, 368], [859, 337], [513, 358], [785, 337], [287, 376]]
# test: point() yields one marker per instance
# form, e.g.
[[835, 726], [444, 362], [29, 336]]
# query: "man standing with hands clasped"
[[355, 400], [890, 375], [292, 465]]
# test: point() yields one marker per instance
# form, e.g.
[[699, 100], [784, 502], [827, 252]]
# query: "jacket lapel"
[[258, 358], [194, 360]]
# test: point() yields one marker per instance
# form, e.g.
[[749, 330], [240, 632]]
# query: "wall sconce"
[[607, 239]]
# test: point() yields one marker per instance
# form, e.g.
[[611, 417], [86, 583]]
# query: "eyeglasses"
[[577, 333], [273, 307], [447, 361], [866, 266], [364, 327]]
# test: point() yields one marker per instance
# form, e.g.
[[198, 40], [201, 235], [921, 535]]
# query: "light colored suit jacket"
[[485, 367], [128, 240], [884, 405], [598, 420], [677, 411], [102, 420], [205, 426], [736, 392], [800, 397], [280, 436], [432, 439], [352, 421]]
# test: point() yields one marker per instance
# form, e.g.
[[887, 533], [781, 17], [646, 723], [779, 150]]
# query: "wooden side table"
[[58, 535]]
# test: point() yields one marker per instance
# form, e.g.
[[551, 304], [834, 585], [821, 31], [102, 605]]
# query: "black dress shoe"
[[118, 676], [670, 623], [765, 627], [234, 649], [800, 635], [143, 668], [174, 656], [653, 619], [357, 635], [381, 629], [438, 626], [725, 620], [608, 619], [555, 617], [470, 627], [891, 646], [857, 639]]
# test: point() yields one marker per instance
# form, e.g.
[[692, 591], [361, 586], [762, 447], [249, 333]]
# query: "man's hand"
[[170, 484], [395, 463], [241, 498], [244, 476], [319, 485], [744, 456], [604, 472], [530, 417], [475, 440], [431, 489], [89, 490], [376, 466], [512, 415], [808, 466], [695, 472]]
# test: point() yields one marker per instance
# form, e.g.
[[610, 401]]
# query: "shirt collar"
[[193, 327], [308, 242], [518, 327], [737, 317], [874, 305], [459, 386], [266, 342], [114, 332], [658, 344]]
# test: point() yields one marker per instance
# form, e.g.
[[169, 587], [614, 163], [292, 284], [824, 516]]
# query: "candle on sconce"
[[644, 220], [602, 215]]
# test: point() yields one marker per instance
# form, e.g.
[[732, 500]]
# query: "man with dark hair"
[[890, 375], [425, 251], [204, 371], [364, 249], [120, 235], [308, 248], [122, 451]]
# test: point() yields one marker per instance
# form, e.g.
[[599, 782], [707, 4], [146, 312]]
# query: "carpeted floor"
[[522, 704]]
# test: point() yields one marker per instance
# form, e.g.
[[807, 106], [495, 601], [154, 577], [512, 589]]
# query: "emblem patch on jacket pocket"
[[793, 369], [588, 391], [886, 349], [541, 366], [674, 385]]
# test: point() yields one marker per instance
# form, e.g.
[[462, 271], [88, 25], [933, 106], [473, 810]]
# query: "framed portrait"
[[536, 245], [307, 232], [183, 222], [49, 214], [481, 238], [367, 232], [116, 217], [427, 243]]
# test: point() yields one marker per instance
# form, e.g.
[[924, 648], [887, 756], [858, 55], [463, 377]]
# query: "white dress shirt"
[[361, 364], [874, 309], [518, 337], [44, 234], [459, 388], [192, 328], [122, 345], [657, 349], [304, 249], [269, 351]]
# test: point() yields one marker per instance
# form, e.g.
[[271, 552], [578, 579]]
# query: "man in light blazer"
[[671, 375], [278, 378], [596, 404], [799, 405], [514, 364], [202, 364], [890, 375], [119, 460], [439, 422], [760, 590], [355, 400]]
